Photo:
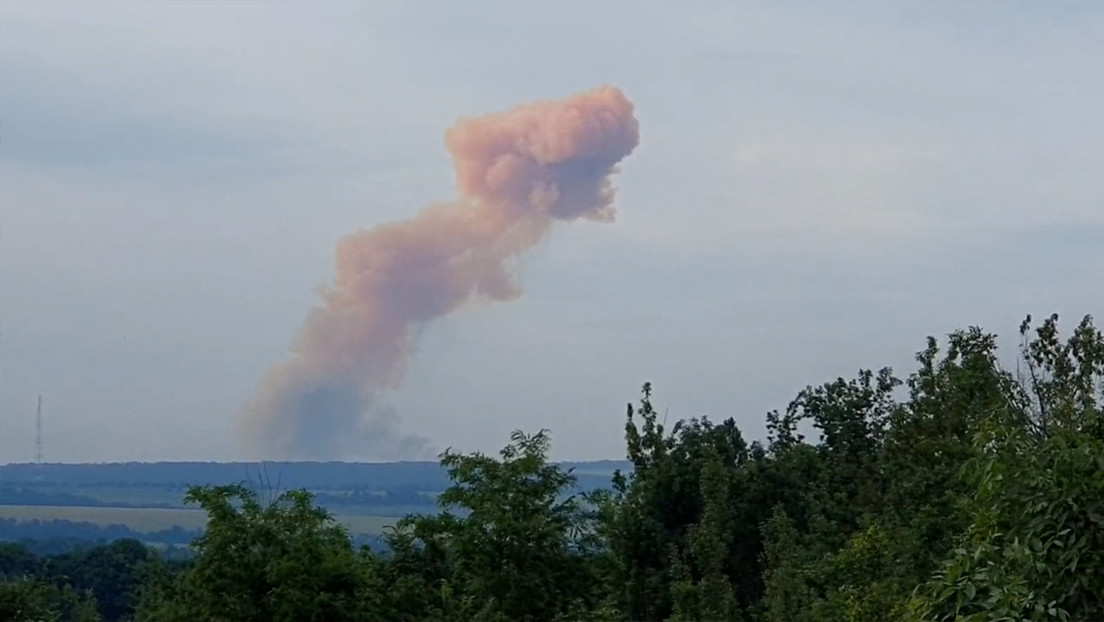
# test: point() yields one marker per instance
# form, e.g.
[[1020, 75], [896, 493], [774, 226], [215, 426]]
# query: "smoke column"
[[517, 173]]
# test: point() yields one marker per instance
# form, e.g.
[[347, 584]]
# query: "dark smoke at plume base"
[[517, 173]]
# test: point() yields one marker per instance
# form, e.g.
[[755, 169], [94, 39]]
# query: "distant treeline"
[[12, 529], [21, 495], [64, 546], [389, 476], [82, 581], [43, 496], [52, 537]]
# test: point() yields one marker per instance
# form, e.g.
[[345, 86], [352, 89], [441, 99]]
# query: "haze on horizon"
[[818, 187]]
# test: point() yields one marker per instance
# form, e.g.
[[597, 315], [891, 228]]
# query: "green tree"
[[286, 560], [16, 561], [685, 519], [1035, 546], [510, 543], [703, 589], [30, 599], [931, 440], [111, 572]]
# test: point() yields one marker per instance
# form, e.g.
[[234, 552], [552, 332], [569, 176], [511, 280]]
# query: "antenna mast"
[[38, 432]]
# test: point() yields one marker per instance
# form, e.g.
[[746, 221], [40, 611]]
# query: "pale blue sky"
[[819, 186]]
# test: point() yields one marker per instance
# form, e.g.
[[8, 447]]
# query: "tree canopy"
[[965, 491]]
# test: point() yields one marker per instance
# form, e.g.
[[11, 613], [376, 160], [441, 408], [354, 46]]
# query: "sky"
[[818, 187]]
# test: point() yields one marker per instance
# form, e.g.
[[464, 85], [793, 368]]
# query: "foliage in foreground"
[[963, 492]]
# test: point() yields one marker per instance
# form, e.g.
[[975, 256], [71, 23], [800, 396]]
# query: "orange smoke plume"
[[517, 173]]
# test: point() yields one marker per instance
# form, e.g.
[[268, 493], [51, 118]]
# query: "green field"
[[157, 519]]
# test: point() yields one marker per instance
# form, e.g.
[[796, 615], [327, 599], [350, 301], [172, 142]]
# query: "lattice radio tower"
[[38, 432]]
